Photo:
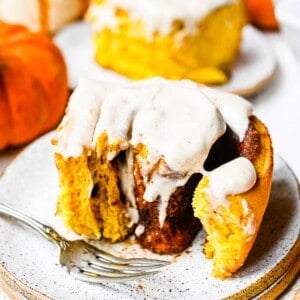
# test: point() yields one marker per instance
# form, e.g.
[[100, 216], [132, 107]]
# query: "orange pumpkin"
[[33, 85], [261, 14]]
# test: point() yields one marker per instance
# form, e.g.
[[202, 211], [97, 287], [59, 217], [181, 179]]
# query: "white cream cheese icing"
[[177, 122], [78, 125], [232, 178], [127, 186], [41, 15], [250, 226], [234, 109], [156, 15]]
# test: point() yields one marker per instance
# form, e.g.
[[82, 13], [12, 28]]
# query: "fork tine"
[[95, 276], [104, 265], [94, 272], [105, 256]]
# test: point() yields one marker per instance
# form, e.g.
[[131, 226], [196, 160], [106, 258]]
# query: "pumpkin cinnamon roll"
[[197, 40], [156, 158]]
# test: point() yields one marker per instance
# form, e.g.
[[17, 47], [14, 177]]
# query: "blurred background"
[[41, 54]]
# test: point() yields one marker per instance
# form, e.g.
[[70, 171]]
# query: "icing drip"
[[232, 178], [78, 125]]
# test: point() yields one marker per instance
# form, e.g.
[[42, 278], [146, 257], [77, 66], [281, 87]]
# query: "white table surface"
[[278, 105]]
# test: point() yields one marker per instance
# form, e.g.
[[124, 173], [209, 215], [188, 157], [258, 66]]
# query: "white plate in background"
[[253, 69]]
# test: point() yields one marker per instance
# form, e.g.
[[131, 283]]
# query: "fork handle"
[[47, 231]]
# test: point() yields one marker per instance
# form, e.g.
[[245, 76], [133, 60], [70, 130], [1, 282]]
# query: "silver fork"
[[87, 262]]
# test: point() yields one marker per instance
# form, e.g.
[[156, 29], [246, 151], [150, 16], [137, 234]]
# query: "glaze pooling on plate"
[[187, 277]]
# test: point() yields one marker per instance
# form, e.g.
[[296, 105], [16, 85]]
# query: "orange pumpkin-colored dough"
[[33, 85], [231, 231]]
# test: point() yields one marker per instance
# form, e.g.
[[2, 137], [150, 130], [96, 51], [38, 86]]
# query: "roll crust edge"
[[228, 243]]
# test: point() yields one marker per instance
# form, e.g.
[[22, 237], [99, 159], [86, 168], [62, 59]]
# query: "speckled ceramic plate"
[[253, 69], [29, 262]]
